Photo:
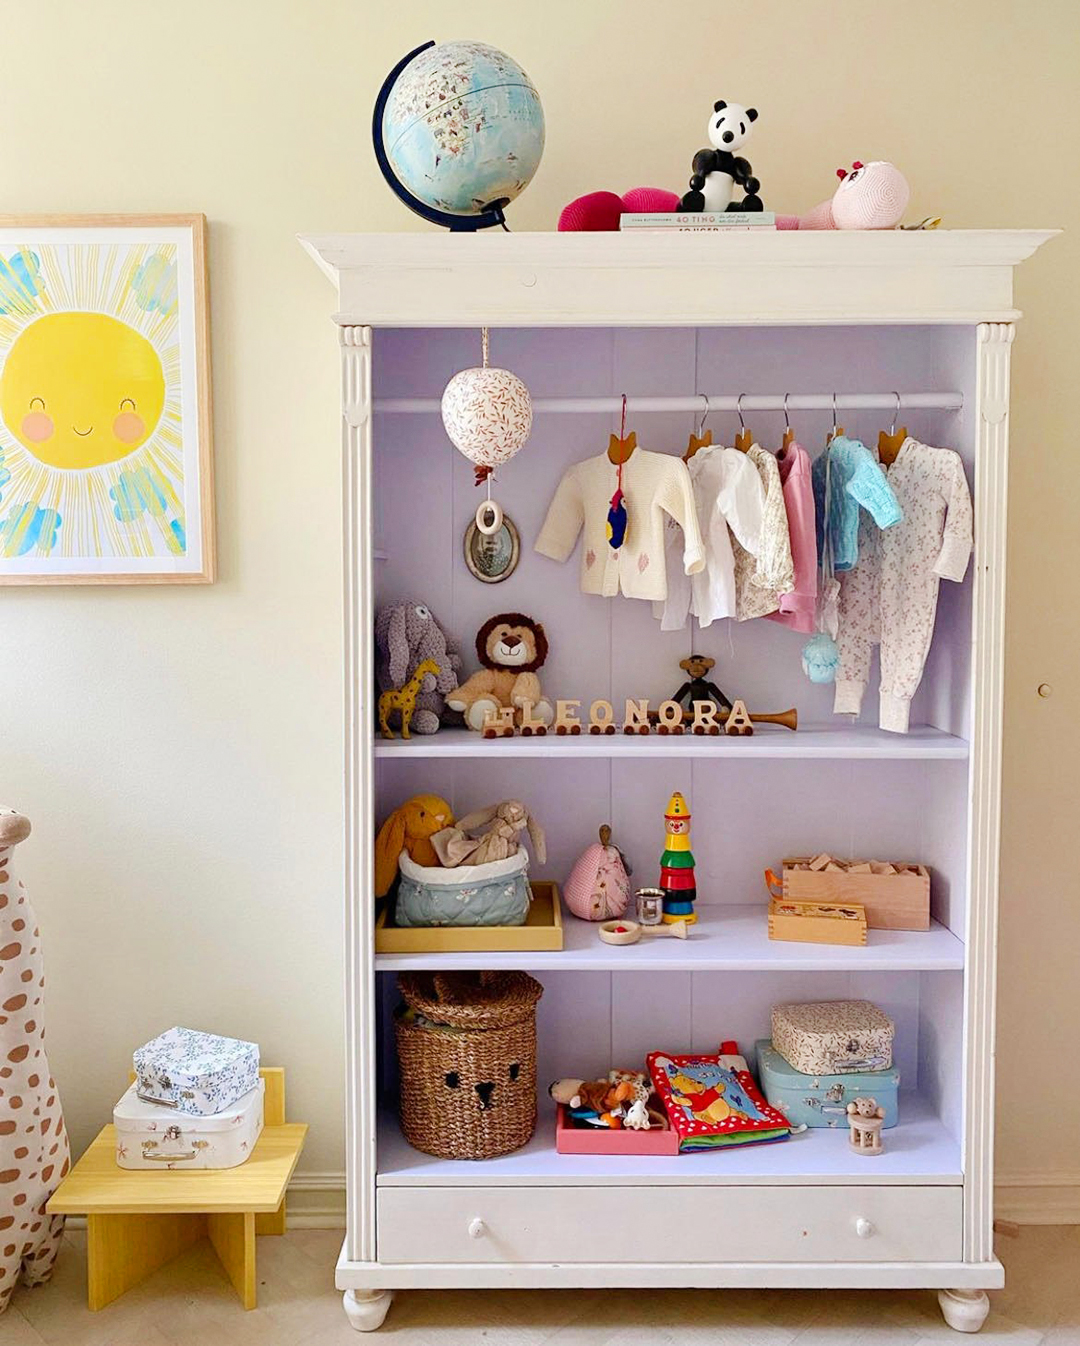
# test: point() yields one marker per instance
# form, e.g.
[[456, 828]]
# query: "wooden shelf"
[[839, 741], [731, 938], [918, 1151]]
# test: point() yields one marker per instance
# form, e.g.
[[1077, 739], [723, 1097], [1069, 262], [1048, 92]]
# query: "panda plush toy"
[[719, 170]]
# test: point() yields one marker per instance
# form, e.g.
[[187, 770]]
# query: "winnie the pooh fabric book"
[[712, 1101]]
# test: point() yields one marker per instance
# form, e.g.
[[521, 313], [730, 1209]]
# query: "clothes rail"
[[696, 402]]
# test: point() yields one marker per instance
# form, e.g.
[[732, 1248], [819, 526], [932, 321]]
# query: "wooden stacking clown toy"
[[677, 864]]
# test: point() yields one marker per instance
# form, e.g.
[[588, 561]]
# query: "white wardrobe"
[[584, 319]]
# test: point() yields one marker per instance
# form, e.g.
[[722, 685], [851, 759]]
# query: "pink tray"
[[599, 1140]]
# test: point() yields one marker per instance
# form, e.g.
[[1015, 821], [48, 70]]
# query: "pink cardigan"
[[797, 607]]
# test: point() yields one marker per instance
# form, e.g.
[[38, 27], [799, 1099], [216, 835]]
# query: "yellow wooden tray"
[[543, 929]]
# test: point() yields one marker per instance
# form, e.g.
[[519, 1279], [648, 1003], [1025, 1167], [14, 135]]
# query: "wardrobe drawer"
[[669, 1224]]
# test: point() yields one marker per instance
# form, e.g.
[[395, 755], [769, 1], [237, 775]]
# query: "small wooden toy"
[[698, 687], [677, 864], [629, 932], [739, 722], [404, 699], [865, 1119], [526, 717]]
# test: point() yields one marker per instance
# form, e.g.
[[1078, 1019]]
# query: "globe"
[[462, 128]]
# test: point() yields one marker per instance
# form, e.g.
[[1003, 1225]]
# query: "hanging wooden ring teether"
[[489, 517]]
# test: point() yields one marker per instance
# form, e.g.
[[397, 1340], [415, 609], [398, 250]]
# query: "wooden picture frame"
[[503, 551], [106, 452]]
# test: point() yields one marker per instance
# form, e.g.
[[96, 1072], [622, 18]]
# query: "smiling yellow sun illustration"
[[98, 455], [81, 389]]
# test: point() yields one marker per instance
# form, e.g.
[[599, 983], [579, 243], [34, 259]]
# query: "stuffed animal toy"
[[409, 829], [406, 634], [717, 171], [601, 210], [870, 196], [499, 827], [598, 888], [33, 1142], [510, 648]]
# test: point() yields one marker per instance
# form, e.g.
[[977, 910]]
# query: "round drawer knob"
[[864, 1228], [477, 1228]]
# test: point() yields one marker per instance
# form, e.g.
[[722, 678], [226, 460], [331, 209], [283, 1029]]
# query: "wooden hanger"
[[744, 438], [891, 441], [703, 438], [622, 445]]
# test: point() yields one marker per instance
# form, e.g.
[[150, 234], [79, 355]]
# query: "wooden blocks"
[[138, 1219], [702, 717]]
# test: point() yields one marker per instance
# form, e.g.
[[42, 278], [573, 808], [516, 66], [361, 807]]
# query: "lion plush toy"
[[510, 647]]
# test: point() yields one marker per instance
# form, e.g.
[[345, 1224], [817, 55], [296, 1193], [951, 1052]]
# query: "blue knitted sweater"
[[855, 479]]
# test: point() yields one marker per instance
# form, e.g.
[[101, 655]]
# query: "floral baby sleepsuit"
[[890, 597], [761, 580]]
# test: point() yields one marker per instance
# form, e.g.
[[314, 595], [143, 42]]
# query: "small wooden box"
[[816, 922], [543, 930], [892, 901]]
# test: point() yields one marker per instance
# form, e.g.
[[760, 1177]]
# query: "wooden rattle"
[[629, 932]]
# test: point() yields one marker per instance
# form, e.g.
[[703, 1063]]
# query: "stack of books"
[[700, 221]]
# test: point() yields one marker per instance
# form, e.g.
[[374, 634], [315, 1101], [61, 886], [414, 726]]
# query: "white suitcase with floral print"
[[150, 1136], [194, 1072]]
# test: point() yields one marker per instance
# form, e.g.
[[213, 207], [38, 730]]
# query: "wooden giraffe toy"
[[33, 1142], [404, 699]]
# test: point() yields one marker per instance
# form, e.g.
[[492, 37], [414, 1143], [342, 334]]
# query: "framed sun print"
[[106, 463]]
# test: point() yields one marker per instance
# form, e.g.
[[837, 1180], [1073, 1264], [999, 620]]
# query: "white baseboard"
[[317, 1201], [1038, 1198]]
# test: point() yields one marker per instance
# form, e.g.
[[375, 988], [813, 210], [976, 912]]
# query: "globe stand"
[[492, 214]]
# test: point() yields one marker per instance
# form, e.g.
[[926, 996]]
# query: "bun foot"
[[964, 1310], [366, 1310]]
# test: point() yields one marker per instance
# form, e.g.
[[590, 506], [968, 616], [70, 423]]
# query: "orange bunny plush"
[[409, 828]]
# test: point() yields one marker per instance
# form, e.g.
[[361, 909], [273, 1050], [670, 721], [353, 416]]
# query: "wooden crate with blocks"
[[896, 896]]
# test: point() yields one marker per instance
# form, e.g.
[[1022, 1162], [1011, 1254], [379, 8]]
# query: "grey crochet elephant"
[[406, 634]]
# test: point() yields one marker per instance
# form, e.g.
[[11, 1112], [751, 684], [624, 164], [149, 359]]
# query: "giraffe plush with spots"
[[33, 1142]]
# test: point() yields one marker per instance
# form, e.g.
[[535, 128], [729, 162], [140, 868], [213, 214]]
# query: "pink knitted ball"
[[871, 196], [595, 211], [650, 201]]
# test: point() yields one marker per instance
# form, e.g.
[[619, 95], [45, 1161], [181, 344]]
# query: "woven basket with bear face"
[[466, 1047]]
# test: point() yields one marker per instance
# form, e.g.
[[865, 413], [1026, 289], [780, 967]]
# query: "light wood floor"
[[189, 1303]]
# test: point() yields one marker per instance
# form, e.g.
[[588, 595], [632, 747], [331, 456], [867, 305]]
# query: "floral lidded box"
[[197, 1073], [833, 1037]]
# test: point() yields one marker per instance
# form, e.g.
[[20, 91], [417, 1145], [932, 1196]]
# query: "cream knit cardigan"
[[654, 485]]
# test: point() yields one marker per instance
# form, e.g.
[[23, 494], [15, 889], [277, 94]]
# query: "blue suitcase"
[[821, 1100]]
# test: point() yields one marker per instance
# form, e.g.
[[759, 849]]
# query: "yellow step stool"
[[137, 1220]]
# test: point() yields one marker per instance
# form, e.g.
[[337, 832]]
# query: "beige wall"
[[178, 749]]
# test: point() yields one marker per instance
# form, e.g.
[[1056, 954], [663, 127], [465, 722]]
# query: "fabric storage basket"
[[492, 894], [821, 1100], [466, 1046], [833, 1037], [150, 1136], [196, 1073]]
